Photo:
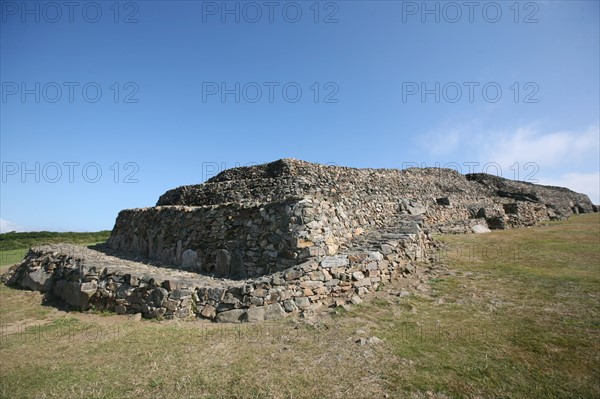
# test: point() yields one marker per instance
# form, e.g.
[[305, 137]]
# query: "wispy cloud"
[[563, 158], [7, 225], [562, 148], [588, 183]]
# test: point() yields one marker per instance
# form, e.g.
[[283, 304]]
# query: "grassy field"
[[510, 314], [14, 246]]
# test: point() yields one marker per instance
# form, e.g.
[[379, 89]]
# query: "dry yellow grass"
[[489, 327]]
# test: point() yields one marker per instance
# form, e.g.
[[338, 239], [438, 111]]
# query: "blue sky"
[[107, 105]]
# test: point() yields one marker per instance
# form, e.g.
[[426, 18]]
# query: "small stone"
[[257, 301], [231, 316], [169, 285], [334, 261], [278, 280], [311, 284], [480, 229], [302, 243], [292, 274], [189, 259], [230, 299], [314, 225], [171, 305], [158, 296], [182, 312], [209, 311], [358, 276], [357, 258], [120, 309], [260, 292], [372, 265], [180, 294], [160, 312], [256, 314], [386, 249], [416, 208], [362, 283], [302, 302], [374, 341], [136, 317], [247, 288], [216, 294], [89, 288], [356, 300], [375, 255], [222, 307], [333, 282], [274, 311], [133, 281], [289, 305]]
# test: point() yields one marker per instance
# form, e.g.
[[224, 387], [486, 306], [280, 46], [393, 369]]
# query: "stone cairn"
[[287, 237]]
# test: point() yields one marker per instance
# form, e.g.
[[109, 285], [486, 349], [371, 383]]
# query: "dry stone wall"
[[256, 220], [261, 242], [85, 278], [226, 240]]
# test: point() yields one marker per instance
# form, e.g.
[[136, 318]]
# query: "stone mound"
[[256, 243], [252, 221]]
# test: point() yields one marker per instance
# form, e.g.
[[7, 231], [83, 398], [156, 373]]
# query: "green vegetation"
[[14, 246], [521, 321]]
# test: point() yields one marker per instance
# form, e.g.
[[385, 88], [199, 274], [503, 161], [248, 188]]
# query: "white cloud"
[[6, 226], [588, 183], [521, 144], [447, 142], [562, 158], [547, 150]]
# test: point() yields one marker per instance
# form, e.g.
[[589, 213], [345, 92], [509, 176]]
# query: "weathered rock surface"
[[258, 243], [85, 278], [253, 221]]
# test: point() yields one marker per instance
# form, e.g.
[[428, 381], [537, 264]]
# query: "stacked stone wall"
[[255, 220], [84, 279], [261, 242], [227, 240]]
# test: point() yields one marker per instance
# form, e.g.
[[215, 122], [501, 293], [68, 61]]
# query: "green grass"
[[521, 324], [14, 246]]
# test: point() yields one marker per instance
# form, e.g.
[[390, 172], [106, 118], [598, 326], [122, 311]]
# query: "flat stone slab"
[[104, 263]]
